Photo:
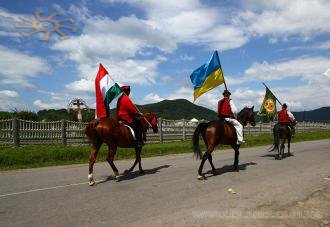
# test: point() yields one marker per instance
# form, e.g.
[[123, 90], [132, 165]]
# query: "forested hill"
[[321, 114], [179, 109]]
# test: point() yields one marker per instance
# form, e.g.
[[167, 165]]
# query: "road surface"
[[294, 191]]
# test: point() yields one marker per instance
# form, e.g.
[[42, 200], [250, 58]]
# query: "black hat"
[[226, 92], [126, 88]]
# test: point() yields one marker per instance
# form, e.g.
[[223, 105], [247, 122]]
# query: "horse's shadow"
[[286, 155], [229, 168], [135, 174]]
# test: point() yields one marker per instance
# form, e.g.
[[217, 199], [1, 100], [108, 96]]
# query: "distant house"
[[194, 120]]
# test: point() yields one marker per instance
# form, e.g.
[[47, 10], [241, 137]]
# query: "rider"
[[127, 112], [285, 117], [228, 111]]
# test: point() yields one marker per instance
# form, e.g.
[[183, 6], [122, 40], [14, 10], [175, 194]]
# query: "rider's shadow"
[[230, 168], [135, 174]]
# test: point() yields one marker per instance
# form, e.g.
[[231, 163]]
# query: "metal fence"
[[21, 132]]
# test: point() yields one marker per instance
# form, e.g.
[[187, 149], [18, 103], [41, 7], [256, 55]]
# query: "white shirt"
[[233, 108], [290, 116]]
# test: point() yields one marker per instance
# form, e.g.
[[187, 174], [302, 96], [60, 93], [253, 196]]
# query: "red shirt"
[[224, 108], [283, 116], [125, 109]]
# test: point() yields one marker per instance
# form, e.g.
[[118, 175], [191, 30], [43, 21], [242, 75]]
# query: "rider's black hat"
[[226, 92]]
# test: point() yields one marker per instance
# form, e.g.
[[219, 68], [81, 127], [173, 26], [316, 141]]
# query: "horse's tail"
[[199, 130], [276, 138], [90, 131]]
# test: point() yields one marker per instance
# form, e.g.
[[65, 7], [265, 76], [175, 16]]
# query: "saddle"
[[130, 128]]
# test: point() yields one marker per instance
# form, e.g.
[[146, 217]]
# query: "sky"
[[154, 46]]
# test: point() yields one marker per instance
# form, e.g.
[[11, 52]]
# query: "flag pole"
[[224, 81], [134, 105], [272, 93]]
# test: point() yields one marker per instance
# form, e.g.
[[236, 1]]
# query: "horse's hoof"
[[115, 177], [142, 172], [200, 177], [215, 172], [126, 171], [236, 169], [91, 183]]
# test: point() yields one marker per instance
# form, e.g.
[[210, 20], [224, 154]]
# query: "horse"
[[115, 134], [281, 133], [219, 132]]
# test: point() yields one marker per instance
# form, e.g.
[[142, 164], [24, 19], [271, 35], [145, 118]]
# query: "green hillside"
[[179, 109]]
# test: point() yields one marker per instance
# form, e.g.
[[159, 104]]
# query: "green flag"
[[268, 107], [111, 94]]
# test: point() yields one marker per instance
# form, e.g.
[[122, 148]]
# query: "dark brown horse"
[[281, 133], [219, 132], [115, 134]]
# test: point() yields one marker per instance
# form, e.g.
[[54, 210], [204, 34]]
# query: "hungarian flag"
[[268, 107], [106, 90]]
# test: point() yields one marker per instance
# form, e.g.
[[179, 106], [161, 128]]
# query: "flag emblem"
[[269, 105]]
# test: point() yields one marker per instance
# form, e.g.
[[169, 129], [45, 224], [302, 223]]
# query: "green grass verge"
[[32, 156]]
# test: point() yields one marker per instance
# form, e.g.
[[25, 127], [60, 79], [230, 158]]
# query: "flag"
[[268, 106], [106, 90], [207, 76]]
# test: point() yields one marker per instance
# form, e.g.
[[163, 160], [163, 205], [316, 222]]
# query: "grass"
[[32, 156]]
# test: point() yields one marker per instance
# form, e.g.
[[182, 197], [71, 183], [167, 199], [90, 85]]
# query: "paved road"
[[293, 191]]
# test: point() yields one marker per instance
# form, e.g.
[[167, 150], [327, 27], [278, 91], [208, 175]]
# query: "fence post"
[[63, 131], [16, 132], [160, 130], [183, 129]]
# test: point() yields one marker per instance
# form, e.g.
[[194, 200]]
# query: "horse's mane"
[[242, 112]]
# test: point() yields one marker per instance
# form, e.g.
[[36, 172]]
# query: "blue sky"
[[155, 45]]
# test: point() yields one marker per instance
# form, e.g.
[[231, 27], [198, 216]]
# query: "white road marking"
[[44, 189]]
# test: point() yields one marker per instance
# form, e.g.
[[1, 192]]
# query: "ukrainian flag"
[[207, 77]]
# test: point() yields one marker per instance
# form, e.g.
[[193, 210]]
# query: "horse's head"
[[152, 121], [246, 115]]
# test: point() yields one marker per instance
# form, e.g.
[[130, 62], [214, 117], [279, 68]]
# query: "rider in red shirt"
[[285, 117], [127, 112], [228, 111]]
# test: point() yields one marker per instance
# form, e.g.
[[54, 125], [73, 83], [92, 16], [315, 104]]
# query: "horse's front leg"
[[137, 160], [289, 153], [112, 149], [92, 160]]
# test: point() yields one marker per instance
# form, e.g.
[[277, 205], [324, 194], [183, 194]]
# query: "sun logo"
[[46, 25], [269, 105]]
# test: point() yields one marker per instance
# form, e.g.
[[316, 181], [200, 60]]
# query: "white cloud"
[[9, 94], [115, 44], [307, 68], [152, 98], [7, 22], [282, 19], [9, 100], [17, 68], [41, 105], [82, 85], [317, 46]]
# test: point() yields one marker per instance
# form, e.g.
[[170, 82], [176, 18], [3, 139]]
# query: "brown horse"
[[281, 133], [115, 134], [219, 132]]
